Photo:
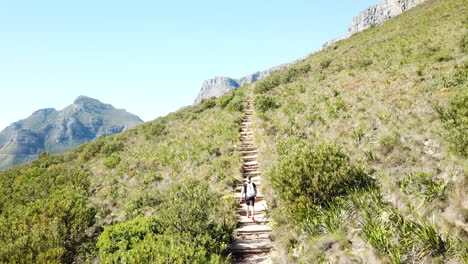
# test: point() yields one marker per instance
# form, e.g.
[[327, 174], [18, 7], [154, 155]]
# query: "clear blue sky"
[[150, 57]]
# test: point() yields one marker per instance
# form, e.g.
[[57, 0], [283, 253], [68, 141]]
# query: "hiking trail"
[[251, 243]]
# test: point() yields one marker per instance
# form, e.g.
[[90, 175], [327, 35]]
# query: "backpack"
[[250, 190]]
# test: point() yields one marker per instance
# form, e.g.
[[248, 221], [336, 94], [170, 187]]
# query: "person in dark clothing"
[[250, 191]]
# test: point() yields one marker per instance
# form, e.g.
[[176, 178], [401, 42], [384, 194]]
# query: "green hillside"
[[366, 143], [363, 145]]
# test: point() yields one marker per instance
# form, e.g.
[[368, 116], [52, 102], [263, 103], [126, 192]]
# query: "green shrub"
[[325, 63], [265, 102], [441, 57], [456, 78], [307, 176], [90, 150], [268, 83], [112, 161], [155, 129], [389, 142], [204, 105], [192, 225], [455, 118], [422, 185], [464, 43], [225, 100], [112, 147], [45, 215], [293, 72]]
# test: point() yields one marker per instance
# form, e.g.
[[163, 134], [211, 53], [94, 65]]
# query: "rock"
[[374, 15], [379, 13], [220, 85], [54, 131]]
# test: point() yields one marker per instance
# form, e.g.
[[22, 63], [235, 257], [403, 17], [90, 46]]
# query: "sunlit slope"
[[365, 143], [152, 194]]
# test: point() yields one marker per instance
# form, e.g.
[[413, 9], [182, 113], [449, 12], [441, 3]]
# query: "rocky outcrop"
[[376, 14], [54, 131], [379, 13], [220, 85]]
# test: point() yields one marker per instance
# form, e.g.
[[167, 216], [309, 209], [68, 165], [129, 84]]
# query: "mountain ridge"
[[56, 131]]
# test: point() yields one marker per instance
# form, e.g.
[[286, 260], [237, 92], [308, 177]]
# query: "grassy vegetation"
[[363, 144], [392, 100], [146, 195]]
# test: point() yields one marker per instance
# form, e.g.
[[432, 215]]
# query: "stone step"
[[245, 149], [259, 220], [251, 235], [252, 170], [251, 163], [252, 229], [243, 213], [245, 246], [251, 173], [248, 152]]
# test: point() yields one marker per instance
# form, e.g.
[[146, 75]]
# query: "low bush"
[[90, 150], [423, 185], [191, 225], [155, 129], [112, 147], [270, 82], [264, 103], [464, 42], [45, 213], [204, 105], [455, 118], [308, 176], [225, 99], [112, 161], [389, 142]]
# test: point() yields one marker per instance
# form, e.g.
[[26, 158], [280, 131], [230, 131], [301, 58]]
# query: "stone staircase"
[[251, 243]]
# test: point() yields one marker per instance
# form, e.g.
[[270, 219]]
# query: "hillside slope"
[[56, 131], [160, 187], [363, 144]]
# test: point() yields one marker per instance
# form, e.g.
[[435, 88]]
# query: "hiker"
[[250, 191]]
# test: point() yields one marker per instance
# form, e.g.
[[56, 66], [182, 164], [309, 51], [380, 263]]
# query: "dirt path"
[[251, 243]]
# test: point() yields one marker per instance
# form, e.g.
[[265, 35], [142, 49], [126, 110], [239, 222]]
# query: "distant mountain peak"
[[56, 131], [87, 104], [45, 111]]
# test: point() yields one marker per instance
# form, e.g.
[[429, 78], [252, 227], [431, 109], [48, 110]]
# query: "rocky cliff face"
[[376, 14], [56, 131], [220, 85], [379, 13]]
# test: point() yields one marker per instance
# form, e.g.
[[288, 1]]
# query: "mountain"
[[218, 86], [376, 14], [54, 131], [362, 148]]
